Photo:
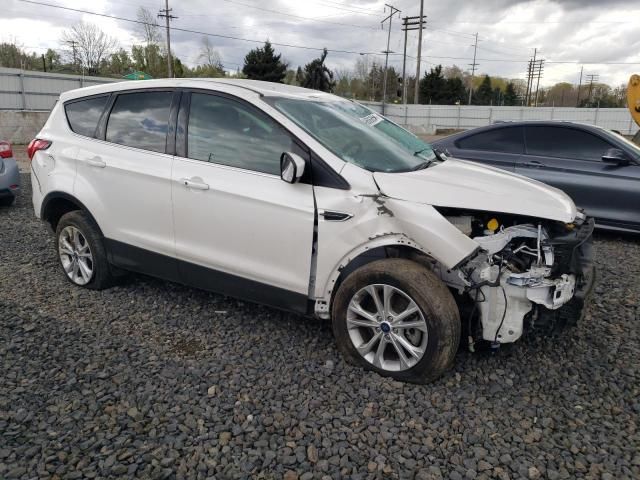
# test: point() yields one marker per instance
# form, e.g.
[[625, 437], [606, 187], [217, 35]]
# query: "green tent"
[[136, 75]]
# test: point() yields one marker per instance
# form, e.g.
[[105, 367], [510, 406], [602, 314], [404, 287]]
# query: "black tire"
[[101, 276], [7, 201], [430, 295]]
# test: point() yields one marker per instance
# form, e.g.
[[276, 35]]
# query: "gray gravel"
[[154, 380]]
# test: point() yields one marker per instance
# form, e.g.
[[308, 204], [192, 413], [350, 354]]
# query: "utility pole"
[[166, 14], [579, 86], [540, 67], [394, 10], [408, 23], [594, 77], [74, 52], [473, 67], [417, 87], [530, 69]]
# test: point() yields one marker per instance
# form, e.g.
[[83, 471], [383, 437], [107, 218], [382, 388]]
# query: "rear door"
[[124, 179], [499, 147], [570, 159]]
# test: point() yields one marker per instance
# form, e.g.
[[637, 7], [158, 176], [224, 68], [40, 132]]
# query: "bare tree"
[[148, 28], [89, 45], [209, 55]]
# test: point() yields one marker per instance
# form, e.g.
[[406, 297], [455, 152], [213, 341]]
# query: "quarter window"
[[227, 132], [140, 120], [565, 142], [502, 140], [84, 115]]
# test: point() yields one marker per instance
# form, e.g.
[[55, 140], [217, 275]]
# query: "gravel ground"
[[154, 380]]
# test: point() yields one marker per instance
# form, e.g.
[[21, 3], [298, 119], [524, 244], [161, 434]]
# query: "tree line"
[[88, 50]]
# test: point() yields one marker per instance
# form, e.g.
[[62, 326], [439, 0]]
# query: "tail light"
[[35, 145], [5, 150]]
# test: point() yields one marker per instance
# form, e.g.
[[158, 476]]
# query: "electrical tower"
[[394, 10], [408, 23], [473, 67], [166, 14]]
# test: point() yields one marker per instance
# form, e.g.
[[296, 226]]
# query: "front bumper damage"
[[548, 293]]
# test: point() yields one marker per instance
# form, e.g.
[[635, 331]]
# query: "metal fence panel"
[[29, 90], [433, 117]]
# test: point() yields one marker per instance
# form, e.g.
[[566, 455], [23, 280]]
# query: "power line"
[[278, 12]]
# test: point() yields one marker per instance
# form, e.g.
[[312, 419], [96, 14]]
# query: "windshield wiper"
[[422, 165], [415, 154]]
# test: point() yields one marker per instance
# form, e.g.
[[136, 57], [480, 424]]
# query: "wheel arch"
[[386, 246], [56, 204]]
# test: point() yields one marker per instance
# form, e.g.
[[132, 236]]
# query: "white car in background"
[[285, 196]]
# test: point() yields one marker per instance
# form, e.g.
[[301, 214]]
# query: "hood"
[[461, 184]]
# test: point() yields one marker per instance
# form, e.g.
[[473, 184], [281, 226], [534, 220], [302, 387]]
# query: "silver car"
[[9, 176]]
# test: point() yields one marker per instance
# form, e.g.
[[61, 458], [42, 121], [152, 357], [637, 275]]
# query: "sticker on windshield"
[[372, 119]]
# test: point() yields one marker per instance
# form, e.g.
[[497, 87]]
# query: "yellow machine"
[[633, 102]]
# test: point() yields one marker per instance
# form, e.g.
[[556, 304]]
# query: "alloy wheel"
[[75, 255], [386, 327]]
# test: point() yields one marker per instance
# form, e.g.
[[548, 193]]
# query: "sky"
[[602, 36]]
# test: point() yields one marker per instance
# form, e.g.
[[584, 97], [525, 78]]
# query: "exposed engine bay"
[[524, 273]]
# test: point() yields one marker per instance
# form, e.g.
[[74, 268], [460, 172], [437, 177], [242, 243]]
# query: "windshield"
[[357, 135]]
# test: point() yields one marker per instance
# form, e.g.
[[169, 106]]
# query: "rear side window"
[[565, 142], [140, 120], [84, 115], [501, 140]]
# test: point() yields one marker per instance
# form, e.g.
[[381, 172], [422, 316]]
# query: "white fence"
[[38, 91], [429, 118]]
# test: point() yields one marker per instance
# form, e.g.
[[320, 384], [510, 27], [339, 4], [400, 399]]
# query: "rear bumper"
[[9, 193]]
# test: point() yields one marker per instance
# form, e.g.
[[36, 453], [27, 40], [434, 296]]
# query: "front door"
[[240, 230]]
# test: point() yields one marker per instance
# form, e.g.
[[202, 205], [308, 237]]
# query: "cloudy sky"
[[602, 35]]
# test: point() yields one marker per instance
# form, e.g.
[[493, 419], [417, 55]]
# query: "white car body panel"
[[461, 184], [248, 224]]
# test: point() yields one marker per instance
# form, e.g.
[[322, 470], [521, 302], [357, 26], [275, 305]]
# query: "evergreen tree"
[[455, 91], [317, 75], [433, 87], [264, 64], [510, 96], [299, 76], [484, 94]]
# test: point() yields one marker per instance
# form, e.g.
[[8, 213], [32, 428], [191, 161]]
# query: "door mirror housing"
[[616, 156], [291, 167]]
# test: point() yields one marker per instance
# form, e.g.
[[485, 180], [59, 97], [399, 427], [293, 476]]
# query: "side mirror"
[[291, 167], [615, 156]]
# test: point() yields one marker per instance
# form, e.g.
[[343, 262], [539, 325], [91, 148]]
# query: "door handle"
[[194, 185], [533, 164], [96, 162]]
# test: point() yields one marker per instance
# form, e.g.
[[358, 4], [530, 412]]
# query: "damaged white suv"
[[311, 203]]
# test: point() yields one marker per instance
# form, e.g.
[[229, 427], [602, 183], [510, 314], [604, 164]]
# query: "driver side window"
[[227, 132]]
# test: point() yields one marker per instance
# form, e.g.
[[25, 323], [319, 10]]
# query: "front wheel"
[[395, 317]]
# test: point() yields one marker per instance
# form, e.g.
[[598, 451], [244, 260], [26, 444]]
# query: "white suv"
[[310, 203]]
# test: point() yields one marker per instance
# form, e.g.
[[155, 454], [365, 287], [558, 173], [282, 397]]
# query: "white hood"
[[461, 184]]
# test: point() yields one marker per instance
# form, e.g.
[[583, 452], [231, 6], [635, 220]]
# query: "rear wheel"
[[395, 317], [81, 251]]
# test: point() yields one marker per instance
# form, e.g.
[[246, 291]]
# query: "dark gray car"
[[598, 168]]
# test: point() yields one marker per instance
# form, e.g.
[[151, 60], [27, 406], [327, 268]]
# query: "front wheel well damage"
[[373, 254]]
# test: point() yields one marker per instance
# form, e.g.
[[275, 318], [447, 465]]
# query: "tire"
[[88, 241], [436, 336], [7, 201]]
